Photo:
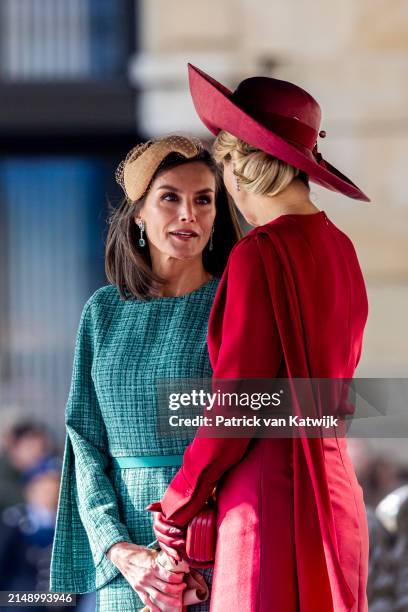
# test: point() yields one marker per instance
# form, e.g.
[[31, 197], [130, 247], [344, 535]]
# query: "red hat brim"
[[218, 111]]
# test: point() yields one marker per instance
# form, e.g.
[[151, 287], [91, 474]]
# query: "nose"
[[188, 213]]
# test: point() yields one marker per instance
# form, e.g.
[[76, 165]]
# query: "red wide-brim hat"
[[275, 116]]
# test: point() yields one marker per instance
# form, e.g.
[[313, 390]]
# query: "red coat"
[[292, 529]]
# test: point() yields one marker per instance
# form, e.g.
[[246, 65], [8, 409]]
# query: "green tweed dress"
[[123, 347]]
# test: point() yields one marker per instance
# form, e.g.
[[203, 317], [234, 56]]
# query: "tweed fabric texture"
[[123, 348]]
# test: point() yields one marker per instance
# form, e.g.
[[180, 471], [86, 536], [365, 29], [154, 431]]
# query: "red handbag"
[[201, 535]]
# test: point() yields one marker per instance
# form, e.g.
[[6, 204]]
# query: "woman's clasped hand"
[[158, 588]]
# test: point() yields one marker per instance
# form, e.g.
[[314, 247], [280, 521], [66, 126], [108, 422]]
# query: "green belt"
[[147, 461]]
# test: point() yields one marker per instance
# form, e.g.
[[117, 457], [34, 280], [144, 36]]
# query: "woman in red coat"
[[292, 530]]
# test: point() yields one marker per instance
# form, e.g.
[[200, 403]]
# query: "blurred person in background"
[[386, 495], [28, 442], [11, 489], [167, 246], [29, 503], [292, 528], [27, 529], [388, 575], [24, 444], [377, 473], [384, 477]]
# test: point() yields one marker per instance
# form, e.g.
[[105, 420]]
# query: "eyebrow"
[[206, 190]]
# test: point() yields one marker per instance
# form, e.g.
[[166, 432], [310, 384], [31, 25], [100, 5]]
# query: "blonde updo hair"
[[256, 170]]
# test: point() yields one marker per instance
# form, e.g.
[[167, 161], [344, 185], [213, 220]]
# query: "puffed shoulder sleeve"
[[88, 521], [244, 343]]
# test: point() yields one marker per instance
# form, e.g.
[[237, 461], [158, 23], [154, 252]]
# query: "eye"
[[204, 199], [170, 196]]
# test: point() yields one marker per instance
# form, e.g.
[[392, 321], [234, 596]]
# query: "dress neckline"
[[184, 296], [319, 215]]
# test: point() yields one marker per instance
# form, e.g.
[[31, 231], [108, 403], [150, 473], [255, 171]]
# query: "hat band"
[[289, 128]]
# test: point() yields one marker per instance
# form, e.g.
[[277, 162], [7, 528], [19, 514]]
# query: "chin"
[[184, 253]]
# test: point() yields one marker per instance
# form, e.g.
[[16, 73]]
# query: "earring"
[[210, 247], [237, 187], [142, 241]]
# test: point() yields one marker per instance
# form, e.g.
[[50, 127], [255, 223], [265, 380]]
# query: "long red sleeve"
[[243, 343]]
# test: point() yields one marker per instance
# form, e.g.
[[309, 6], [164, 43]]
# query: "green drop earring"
[[142, 241], [211, 246]]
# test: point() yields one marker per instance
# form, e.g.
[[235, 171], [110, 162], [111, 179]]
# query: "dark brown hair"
[[128, 266]]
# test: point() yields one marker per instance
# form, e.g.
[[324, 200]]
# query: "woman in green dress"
[[167, 246]]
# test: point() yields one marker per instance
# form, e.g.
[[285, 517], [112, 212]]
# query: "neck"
[[295, 199], [181, 276]]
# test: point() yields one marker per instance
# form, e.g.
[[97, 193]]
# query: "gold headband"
[[135, 172]]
